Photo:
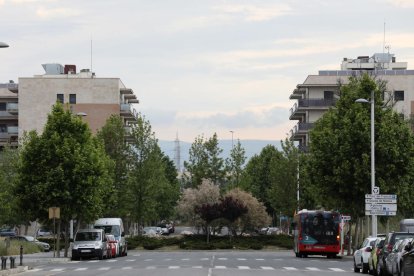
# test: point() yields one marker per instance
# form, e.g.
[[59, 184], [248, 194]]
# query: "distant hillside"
[[252, 147]]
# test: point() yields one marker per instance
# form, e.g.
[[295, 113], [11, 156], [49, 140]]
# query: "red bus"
[[316, 233]]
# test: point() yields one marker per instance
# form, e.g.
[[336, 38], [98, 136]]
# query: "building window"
[[399, 95], [60, 98], [328, 95], [3, 128], [72, 98], [3, 106]]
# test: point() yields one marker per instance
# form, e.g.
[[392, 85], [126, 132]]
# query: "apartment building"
[[319, 92], [8, 114], [93, 98]]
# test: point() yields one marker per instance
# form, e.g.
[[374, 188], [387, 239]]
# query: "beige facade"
[[93, 98], [319, 92]]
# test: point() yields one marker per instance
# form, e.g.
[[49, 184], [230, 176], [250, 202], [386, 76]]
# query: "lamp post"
[[372, 101], [231, 138]]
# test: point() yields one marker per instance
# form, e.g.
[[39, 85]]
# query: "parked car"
[[90, 243], [7, 232], [362, 254], [393, 260], [389, 242], [151, 231], [373, 258], [42, 245], [43, 232], [407, 261], [113, 248]]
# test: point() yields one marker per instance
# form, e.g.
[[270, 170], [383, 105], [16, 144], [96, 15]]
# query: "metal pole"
[[374, 217]]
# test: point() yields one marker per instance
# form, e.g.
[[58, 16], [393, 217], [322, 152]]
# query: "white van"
[[114, 226], [90, 243]]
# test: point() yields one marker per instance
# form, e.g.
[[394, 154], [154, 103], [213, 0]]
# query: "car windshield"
[[110, 229], [88, 236], [30, 239]]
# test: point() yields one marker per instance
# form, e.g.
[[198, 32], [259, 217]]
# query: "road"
[[203, 263]]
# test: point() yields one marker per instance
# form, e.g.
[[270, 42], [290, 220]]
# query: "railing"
[[127, 108], [305, 126], [12, 129], [12, 107], [316, 102]]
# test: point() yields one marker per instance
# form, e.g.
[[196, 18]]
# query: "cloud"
[[255, 13], [56, 13], [253, 117], [402, 3]]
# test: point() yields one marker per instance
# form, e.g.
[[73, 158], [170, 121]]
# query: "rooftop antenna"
[[177, 155], [383, 42]]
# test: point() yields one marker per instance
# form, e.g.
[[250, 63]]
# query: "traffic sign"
[[375, 190], [346, 218], [380, 213], [380, 200], [380, 196], [381, 207]]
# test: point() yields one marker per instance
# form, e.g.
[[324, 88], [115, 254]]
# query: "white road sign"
[[375, 190], [381, 200], [381, 207], [380, 213], [346, 218], [381, 196]]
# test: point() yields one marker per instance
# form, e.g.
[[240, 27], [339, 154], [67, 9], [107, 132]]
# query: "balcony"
[[297, 93], [13, 130], [300, 130], [299, 109], [12, 108], [128, 134], [128, 112]]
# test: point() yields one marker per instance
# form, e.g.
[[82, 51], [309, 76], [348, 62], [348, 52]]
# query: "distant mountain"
[[252, 147]]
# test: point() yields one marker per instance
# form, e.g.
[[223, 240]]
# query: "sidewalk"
[[31, 260]]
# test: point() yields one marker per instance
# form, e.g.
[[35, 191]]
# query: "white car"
[[362, 254]]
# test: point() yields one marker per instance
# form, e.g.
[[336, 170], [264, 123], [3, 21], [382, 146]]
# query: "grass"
[[14, 247]]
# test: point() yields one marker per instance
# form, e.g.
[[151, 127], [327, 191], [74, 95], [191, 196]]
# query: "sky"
[[200, 67]]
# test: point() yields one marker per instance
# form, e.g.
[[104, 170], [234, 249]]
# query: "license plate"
[[86, 251]]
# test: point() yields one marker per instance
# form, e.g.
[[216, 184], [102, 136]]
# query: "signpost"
[[54, 213], [380, 205]]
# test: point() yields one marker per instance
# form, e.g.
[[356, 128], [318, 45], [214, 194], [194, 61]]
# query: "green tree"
[[338, 165], [63, 167], [113, 137], [257, 179], [235, 165], [151, 192], [205, 162], [8, 175], [284, 177]]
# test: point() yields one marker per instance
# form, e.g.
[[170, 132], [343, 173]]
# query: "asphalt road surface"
[[203, 263]]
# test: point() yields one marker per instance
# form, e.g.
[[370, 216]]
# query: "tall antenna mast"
[[383, 42]]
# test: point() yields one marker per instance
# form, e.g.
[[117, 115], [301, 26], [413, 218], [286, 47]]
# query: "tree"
[[338, 165], [205, 162], [256, 215], [256, 177], [151, 193], [8, 174], [206, 193], [284, 177], [112, 136], [63, 167], [234, 164]]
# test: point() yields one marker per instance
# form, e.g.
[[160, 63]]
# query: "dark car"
[[407, 261], [393, 260], [7, 232], [390, 240]]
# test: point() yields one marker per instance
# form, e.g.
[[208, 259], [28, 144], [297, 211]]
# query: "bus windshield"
[[110, 229], [320, 228]]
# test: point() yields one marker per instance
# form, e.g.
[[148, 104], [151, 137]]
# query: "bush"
[[14, 249]]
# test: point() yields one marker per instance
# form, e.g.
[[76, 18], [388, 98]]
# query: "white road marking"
[[204, 259], [259, 259], [105, 268], [111, 261], [81, 269], [277, 259], [290, 268], [130, 260], [93, 261], [150, 267], [185, 259], [220, 267], [312, 268], [167, 259], [267, 268], [147, 260], [136, 255], [336, 269], [243, 267], [127, 267], [173, 267], [57, 269], [241, 259], [222, 259], [197, 266], [73, 262]]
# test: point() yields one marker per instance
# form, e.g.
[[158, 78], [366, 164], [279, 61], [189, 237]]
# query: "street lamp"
[[231, 138], [3, 45], [372, 101]]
